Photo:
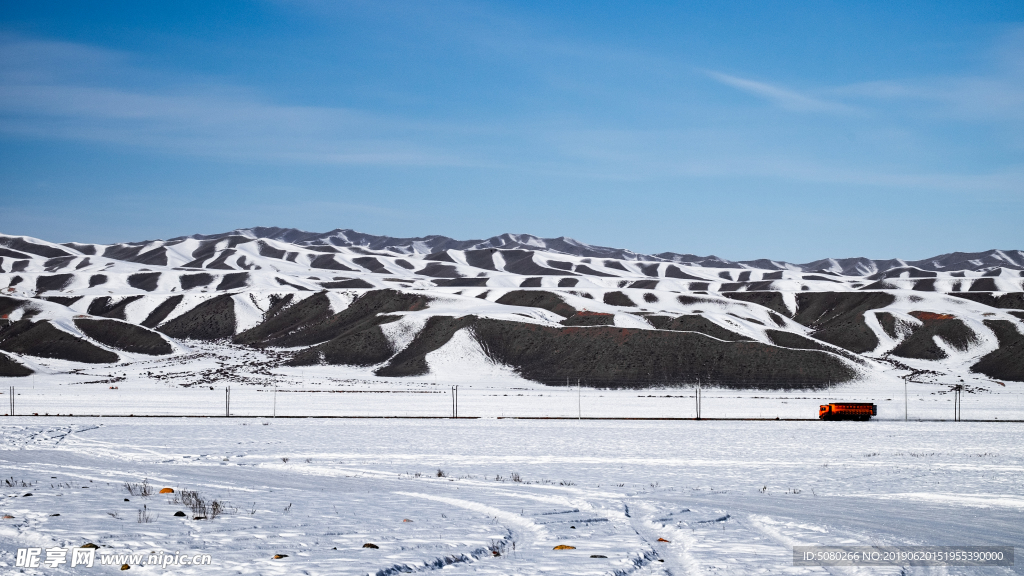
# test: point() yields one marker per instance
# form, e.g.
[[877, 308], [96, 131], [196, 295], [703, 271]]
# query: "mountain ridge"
[[546, 308], [434, 244]]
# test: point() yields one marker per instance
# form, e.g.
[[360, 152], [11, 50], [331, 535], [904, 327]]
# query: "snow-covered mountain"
[[1011, 259], [547, 308]]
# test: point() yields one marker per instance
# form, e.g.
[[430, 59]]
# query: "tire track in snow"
[[539, 537], [48, 436], [524, 526], [674, 557], [114, 449], [539, 532], [761, 524]]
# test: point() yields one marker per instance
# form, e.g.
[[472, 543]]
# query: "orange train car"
[[847, 411]]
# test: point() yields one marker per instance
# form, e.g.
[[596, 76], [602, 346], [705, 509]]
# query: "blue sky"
[[787, 130]]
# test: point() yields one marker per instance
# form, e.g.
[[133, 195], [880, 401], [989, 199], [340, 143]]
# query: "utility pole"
[[227, 401], [696, 397], [906, 406], [956, 402]]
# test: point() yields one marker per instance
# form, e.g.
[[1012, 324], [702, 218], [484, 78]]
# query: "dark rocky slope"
[[210, 320], [47, 341], [1006, 363], [11, 367], [124, 336], [838, 317], [621, 357], [921, 342]]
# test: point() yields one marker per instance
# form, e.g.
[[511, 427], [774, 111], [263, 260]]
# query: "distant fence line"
[[572, 402]]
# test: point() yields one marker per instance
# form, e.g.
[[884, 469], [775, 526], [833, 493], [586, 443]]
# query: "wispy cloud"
[[999, 98], [60, 90], [994, 92], [784, 97], [640, 155], [68, 91]]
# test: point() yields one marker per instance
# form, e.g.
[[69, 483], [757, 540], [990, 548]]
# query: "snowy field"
[[193, 383], [631, 497]]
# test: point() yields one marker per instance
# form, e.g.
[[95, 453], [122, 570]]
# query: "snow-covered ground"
[[193, 383], [632, 497]]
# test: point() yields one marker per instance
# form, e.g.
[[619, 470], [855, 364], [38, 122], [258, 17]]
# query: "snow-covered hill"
[[547, 309]]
